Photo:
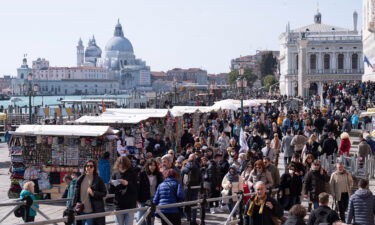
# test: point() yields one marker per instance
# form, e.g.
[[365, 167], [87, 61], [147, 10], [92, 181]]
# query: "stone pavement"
[[56, 211]]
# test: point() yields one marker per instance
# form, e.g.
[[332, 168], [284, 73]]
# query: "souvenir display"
[[46, 159]]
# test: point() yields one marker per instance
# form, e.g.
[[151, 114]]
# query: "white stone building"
[[368, 32], [318, 53], [64, 80]]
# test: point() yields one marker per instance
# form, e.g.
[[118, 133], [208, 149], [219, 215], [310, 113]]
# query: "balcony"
[[335, 71]]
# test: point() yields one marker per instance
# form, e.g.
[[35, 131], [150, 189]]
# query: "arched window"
[[355, 61], [327, 58], [340, 61], [313, 62]]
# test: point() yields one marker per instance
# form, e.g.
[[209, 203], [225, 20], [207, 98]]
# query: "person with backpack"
[[192, 179], [170, 191], [28, 192], [232, 184], [323, 214]]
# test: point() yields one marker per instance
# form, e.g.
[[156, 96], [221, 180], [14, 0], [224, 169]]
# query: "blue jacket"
[[371, 142], [169, 192], [286, 123], [25, 193], [361, 208], [355, 119], [104, 170]]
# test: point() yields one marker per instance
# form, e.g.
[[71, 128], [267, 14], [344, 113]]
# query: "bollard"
[[203, 206]]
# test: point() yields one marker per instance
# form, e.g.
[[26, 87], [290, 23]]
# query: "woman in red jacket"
[[345, 144]]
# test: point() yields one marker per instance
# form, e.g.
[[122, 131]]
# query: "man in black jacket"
[[315, 182], [323, 214], [261, 209], [191, 178], [214, 176], [329, 145], [187, 138]]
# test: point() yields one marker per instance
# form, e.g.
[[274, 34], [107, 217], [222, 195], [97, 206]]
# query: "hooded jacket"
[[361, 207]]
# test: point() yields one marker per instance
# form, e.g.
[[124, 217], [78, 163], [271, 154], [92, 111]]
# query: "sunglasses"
[[89, 166]]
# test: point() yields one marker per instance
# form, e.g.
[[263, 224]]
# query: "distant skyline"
[[166, 34]]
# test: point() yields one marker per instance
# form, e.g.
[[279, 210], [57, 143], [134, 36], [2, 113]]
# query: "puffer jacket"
[[169, 192], [299, 142], [345, 146], [361, 208]]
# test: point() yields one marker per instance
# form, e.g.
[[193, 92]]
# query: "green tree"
[[268, 64], [248, 73], [268, 81]]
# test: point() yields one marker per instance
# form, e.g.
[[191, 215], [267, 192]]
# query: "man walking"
[[361, 207]]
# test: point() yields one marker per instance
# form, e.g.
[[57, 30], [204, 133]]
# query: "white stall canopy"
[[151, 113], [64, 130], [112, 119], [181, 110]]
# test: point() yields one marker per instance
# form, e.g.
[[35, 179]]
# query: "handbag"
[[79, 207]]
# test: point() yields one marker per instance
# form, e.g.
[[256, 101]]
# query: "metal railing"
[[150, 210]]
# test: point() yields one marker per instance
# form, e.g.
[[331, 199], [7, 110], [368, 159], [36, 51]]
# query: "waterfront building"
[[191, 75], [64, 80], [318, 53], [252, 61], [368, 32]]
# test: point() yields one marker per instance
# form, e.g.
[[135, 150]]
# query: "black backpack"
[[20, 211], [325, 219], [194, 177]]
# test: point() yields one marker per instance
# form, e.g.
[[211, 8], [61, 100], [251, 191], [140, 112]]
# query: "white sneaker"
[[212, 210]]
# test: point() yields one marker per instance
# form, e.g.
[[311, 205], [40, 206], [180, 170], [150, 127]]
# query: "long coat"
[[97, 201]]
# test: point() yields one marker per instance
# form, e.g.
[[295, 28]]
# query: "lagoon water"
[[53, 100]]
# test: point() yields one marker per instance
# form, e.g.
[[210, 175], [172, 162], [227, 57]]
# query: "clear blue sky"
[[164, 33]]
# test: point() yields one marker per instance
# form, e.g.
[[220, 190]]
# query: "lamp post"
[[242, 83], [31, 91]]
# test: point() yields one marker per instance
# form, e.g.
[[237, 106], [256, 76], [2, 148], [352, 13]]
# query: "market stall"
[[45, 153]]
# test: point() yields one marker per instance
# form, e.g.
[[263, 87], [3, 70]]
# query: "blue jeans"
[[141, 213], [87, 221], [124, 219], [316, 204]]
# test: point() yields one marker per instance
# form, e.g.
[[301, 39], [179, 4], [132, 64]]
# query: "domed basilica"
[[119, 60]]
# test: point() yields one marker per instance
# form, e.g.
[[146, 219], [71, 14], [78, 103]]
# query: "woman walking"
[[149, 180], [89, 194], [124, 185], [170, 192]]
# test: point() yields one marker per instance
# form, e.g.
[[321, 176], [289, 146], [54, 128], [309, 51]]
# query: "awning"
[[151, 113], [181, 110], [64, 130], [112, 119]]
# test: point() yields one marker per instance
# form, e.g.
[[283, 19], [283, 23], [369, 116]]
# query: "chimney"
[[355, 20]]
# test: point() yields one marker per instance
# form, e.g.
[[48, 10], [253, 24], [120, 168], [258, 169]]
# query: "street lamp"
[[31, 91], [242, 83]]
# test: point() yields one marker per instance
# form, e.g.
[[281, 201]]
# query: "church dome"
[[118, 42], [93, 50]]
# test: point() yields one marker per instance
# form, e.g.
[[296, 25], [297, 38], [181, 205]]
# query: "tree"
[[268, 81], [268, 64], [248, 73]]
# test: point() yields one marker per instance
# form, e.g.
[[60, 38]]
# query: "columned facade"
[[318, 54]]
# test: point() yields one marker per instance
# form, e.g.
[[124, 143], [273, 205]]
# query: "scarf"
[[259, 202]]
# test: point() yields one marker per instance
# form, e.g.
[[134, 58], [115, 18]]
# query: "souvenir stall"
[[133, 125], [45, 153]]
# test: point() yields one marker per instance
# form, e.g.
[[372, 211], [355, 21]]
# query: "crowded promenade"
[[277, 153]]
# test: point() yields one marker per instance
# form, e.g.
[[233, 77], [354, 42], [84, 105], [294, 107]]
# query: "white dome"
[[121, 44]]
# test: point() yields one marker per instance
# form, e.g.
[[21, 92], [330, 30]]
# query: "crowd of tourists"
[[226, 157]]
